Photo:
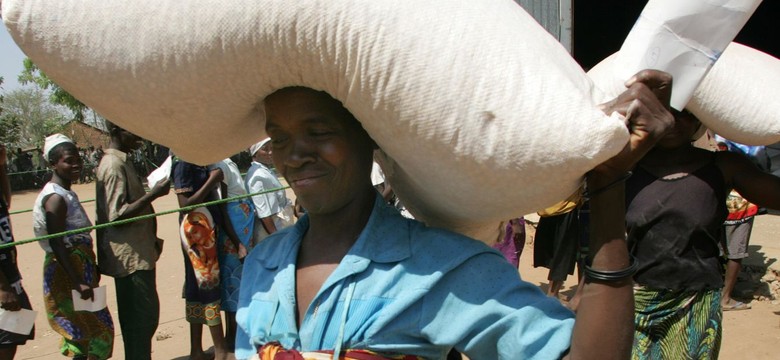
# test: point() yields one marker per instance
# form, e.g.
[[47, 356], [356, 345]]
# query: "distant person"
[[12, 294], [676, 207], [273, 209], [238, 225], [556, 242], [194, 185], [69, 263], [129, 252]]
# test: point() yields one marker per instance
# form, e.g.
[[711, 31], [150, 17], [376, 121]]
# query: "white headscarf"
[[52, 141], [253, 149]]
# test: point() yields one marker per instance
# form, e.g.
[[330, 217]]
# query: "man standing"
[[128, 252]]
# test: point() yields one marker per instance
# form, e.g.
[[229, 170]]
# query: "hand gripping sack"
[[482, 114], [737, 99]]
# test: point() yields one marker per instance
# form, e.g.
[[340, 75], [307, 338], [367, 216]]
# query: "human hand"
[[161, 189], [86, 292], [645, 105], [8, 300], [242, 251]]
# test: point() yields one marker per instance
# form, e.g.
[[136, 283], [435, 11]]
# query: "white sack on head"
[[483, 115], [738, 98]]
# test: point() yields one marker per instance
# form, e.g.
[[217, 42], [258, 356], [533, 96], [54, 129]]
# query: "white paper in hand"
[[18, 322], [683, 38], [98, 304], [161, 174]]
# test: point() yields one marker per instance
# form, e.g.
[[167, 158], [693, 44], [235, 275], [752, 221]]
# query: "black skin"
[[66, 166], [326, 157], [126, 142]]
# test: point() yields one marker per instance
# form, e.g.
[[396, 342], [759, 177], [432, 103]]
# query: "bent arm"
[[215, 177], [604, 325], [56, 213], [756, 186]]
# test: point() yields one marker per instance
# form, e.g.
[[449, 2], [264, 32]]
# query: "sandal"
[[737, 305]]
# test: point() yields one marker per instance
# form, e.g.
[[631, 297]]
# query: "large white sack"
[[738, 99], [483, 115]]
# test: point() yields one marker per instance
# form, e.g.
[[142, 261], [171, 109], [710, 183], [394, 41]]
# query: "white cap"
[[52, 141], [253, 149]]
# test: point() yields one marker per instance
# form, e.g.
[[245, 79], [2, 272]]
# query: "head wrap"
[[52, 141], [253, 149]]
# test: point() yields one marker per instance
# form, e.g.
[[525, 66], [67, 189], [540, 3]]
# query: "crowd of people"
[[353, 278]]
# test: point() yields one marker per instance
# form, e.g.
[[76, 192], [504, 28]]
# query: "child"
[[70, 261]]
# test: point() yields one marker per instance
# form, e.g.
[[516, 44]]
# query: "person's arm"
[[604, 324], [115, 187], [5, 184], [387, 192], [228, 225], [8, 299], [268, 224], [215, 177], [758, 187], [56, 213]]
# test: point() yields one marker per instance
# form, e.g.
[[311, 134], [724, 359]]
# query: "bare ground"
[[750, 334]]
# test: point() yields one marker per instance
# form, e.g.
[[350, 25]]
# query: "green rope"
[[30, 210], [27, 172], [137, 218]]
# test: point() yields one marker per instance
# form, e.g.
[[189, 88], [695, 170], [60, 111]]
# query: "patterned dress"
[[199, 236], [83, 333]]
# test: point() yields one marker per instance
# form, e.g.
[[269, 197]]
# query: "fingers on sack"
[[659, 83]]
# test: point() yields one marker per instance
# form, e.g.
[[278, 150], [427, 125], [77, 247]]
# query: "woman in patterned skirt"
[[70, 260]]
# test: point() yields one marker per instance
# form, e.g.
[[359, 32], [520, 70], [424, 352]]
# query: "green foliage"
[[28, 117], [32, 74]]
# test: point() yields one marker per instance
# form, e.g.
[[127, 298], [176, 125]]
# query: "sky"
[[10, 61]]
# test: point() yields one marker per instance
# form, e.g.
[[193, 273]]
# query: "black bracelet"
[[612, 275], [587, 195]]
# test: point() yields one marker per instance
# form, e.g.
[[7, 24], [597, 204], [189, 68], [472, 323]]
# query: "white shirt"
[[233, 180], [260, 178]]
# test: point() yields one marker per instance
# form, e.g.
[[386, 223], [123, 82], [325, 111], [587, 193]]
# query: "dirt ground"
[[751, 334]]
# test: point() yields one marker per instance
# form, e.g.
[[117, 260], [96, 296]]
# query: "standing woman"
[[676, 205], [70, 260], [193, 185], [12, 294], [233, 242]]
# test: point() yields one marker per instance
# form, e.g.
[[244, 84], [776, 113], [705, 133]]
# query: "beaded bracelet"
[[587, 195], [612, 275]]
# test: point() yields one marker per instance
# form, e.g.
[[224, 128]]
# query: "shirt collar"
[[385, 239]]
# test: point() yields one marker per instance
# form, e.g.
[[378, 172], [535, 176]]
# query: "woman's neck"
[[335, 233], [57, 179]]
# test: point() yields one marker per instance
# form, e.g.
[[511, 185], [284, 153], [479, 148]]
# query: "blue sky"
[[10, 60]]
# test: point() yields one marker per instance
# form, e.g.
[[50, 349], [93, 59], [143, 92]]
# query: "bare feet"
[[201, 356]]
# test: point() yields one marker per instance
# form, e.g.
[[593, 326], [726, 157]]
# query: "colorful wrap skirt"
[[242, 217], [202, 291], [83, 333], [677, 324]]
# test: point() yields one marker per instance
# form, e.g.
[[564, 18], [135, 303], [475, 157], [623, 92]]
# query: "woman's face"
[[68, 166], [685, 127], [319, 148]]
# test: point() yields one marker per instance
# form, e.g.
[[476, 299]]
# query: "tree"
[[28, 112], [33, 74], [10, 127]]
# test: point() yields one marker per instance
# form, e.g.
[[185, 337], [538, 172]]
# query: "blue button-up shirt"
[[408, 289]]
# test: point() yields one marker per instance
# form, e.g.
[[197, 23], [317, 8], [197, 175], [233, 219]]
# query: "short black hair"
[[56, 153]]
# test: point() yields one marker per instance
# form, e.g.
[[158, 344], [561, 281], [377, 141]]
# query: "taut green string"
[[137, 218]]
